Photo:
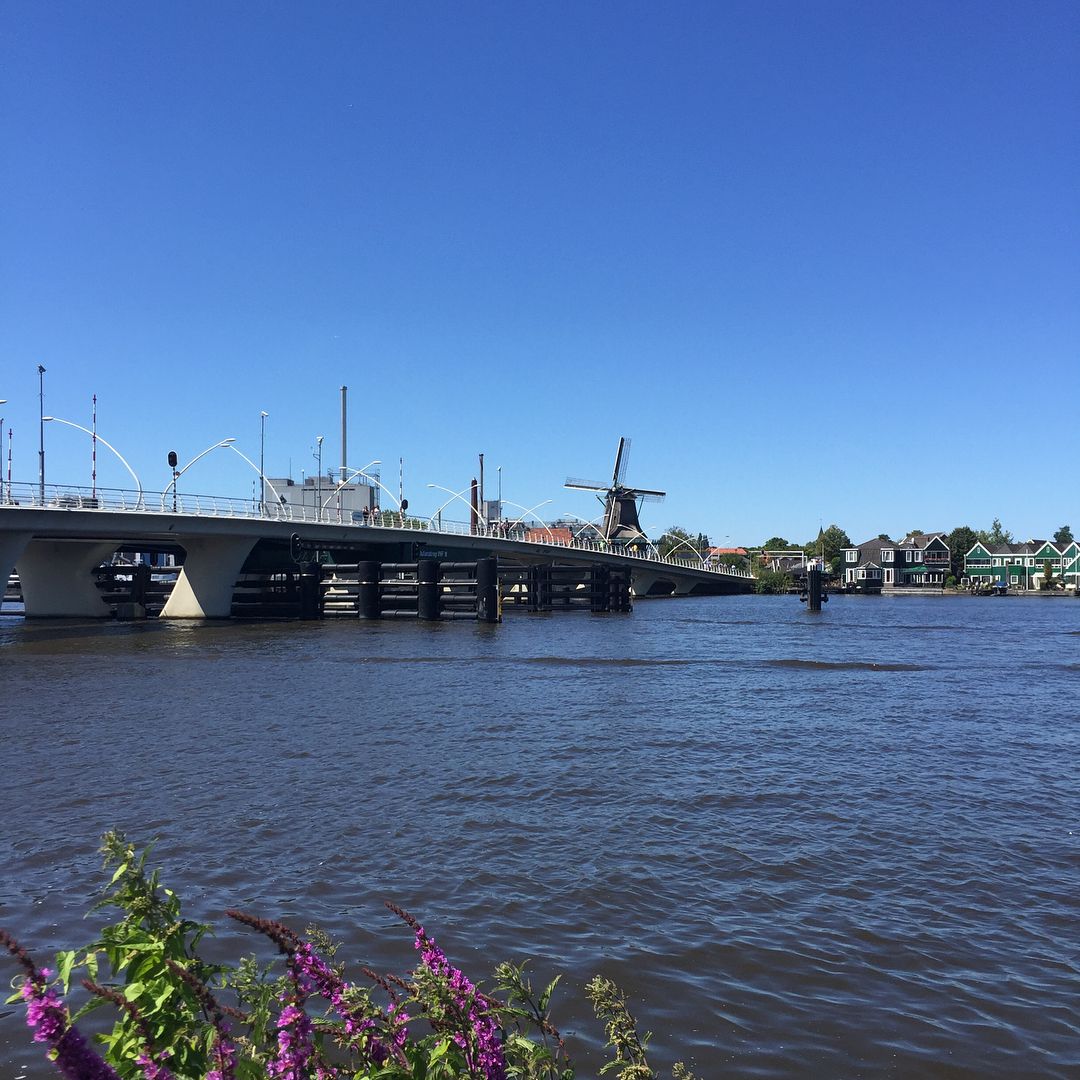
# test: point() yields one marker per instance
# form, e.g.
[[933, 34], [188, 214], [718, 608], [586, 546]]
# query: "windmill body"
[[621, 522]]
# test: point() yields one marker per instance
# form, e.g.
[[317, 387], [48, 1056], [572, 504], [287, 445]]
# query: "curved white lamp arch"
[[180, 472], [701, 557], [591, 524], [279, 502], [352, 476], [95, 435], [526, 512], [457, 495], [657, 557]]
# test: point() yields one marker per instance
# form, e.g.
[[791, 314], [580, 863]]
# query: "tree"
[[996, 534], [1048, 575], [771, 581], [777, 543], [829, 542], [739, 562], [1063, 535], [678, 543], [961, 540]]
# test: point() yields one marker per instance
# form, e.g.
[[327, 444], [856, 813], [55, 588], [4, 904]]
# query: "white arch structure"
[[180, 472], [525, 514], [94, 435], [457, 495], [278, 501], [350, 478]]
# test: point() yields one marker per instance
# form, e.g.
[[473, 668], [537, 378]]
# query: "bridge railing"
[[75, 498]]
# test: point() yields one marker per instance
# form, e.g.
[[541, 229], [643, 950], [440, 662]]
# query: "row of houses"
[[924, 560]]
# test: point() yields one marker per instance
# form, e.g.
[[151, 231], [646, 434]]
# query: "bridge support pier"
[[644, 582], [204, 589], [12, 546], [57, 578]]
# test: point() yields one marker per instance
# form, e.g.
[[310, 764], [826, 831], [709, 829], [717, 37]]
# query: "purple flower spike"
[[48, 1016]]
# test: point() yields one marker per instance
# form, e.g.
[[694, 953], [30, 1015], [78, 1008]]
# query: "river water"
[[844, 844]]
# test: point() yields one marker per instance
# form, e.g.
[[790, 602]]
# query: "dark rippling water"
[[839, 845]]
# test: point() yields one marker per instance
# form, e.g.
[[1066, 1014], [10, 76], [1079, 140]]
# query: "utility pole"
[[41, 434]]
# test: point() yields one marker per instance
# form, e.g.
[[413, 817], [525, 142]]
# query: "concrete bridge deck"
[[55, 544]]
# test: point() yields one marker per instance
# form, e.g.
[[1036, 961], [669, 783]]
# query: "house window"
[[853, 556], [886, 555]]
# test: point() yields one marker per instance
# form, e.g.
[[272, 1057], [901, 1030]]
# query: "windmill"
[[620, 501]]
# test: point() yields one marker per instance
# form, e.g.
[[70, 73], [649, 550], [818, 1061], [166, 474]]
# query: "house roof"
[[920, 541], [556, 534], [871, 550], [1028, 547]]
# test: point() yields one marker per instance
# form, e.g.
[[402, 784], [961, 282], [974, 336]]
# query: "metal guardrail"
[[67, 497]]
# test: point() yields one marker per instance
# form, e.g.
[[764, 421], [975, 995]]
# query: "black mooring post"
[[487, 590], [368, 600], [309, 590], [428, 589], [813, 588]]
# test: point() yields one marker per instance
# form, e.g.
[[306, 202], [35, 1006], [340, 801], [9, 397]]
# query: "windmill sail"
[[621, 521]]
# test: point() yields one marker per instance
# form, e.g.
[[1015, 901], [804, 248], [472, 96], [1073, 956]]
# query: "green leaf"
[[121, 870], [65, 961], [545, 997]]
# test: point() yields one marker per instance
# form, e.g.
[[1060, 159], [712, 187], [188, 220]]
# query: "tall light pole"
[[41, 433], [262, 461], [318, 479], [3, 401], [59, 420]]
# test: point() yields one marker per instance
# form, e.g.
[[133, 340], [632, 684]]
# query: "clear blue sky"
[[820, 261]]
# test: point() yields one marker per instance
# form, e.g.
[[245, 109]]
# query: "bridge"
[[57, 537]]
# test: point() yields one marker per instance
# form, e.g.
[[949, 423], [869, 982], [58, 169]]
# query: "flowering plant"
[[179, 1017]]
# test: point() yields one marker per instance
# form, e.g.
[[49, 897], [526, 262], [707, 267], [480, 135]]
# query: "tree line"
[[830, 543]]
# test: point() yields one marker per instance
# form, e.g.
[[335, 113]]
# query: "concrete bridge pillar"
[[57, 578], [204, 589], [644, 580], [11, 548]]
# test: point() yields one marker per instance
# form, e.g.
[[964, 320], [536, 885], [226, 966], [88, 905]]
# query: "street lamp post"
[[41, 434], [318, 478], [94, 435], [262, 462], [3, 401]]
